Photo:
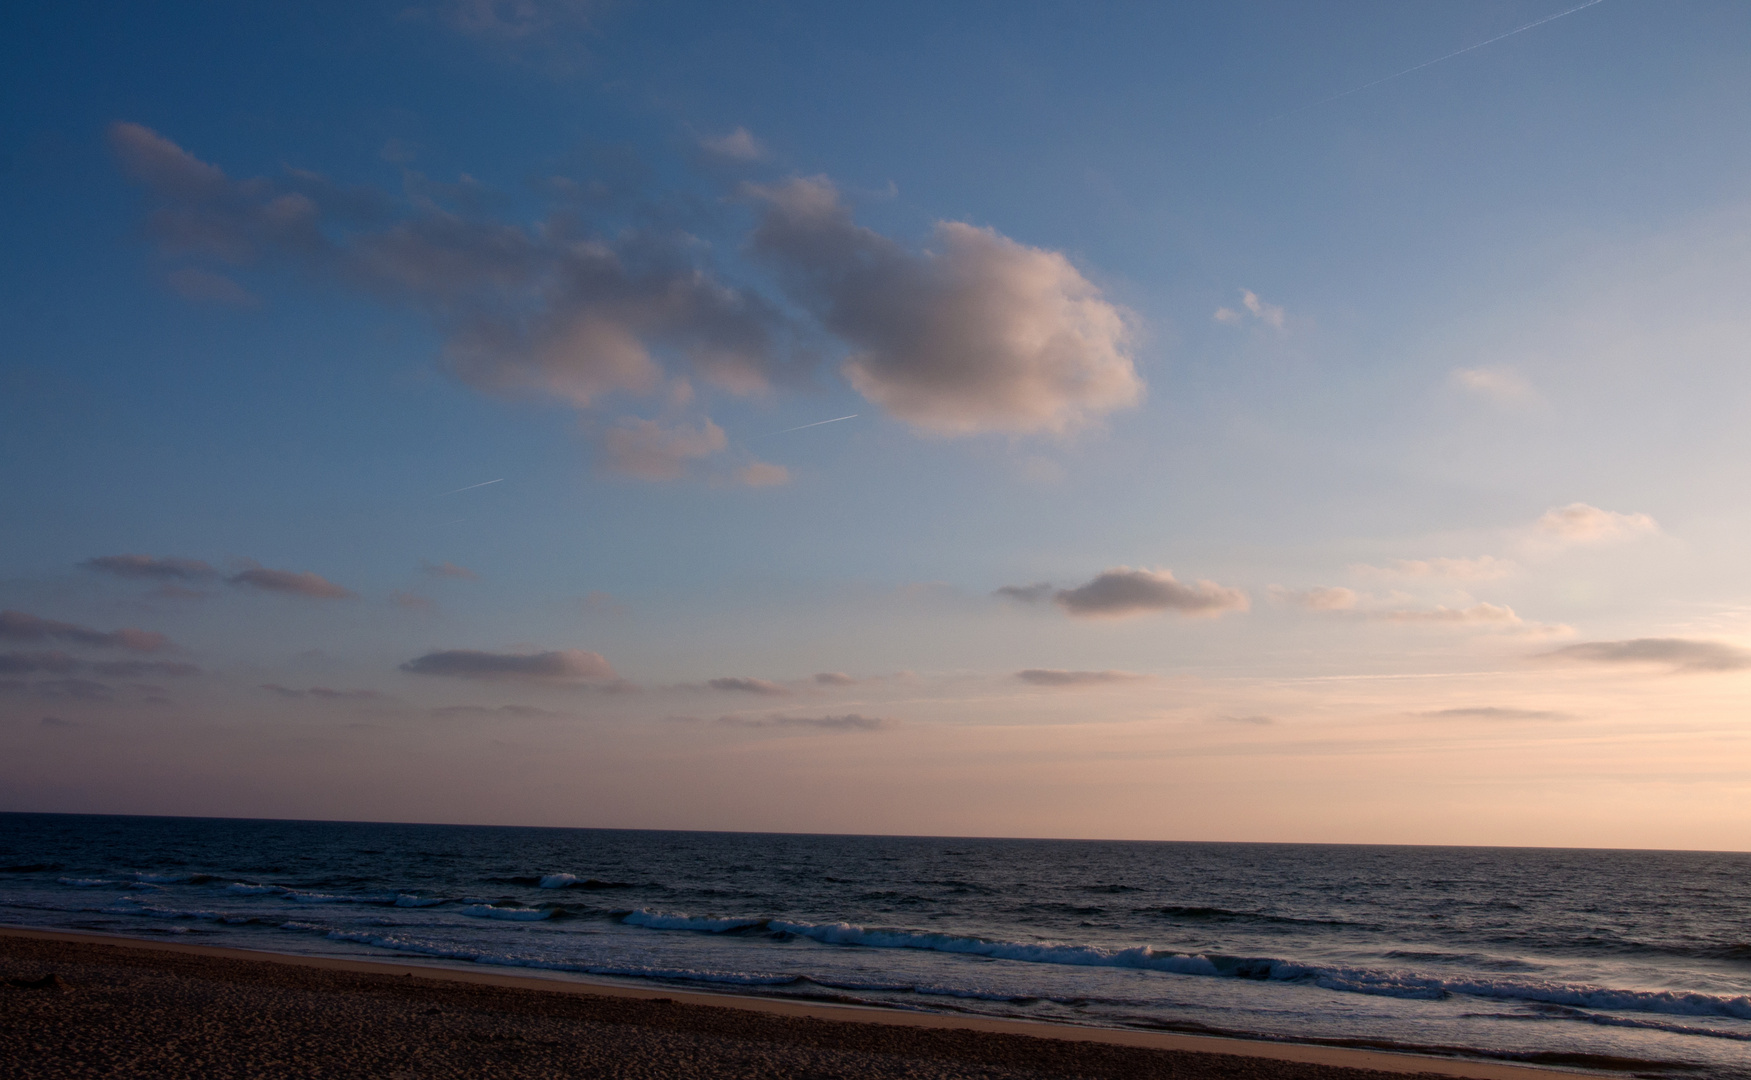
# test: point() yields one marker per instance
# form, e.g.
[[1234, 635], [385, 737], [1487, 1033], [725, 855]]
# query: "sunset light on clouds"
[[967, 420]]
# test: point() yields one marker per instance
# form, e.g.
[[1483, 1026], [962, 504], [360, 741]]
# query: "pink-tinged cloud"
[[322, 692], [1492, 712], [980, 334], [150, 568], [1487, 614], [647, 450], [1061, 677], [519, 711], [54, 662], [1251, 306], [551, 309], [744, 685], [1122, 592], [559, 666], [1318, 598], [1480, 568], [762, 474], [834, 678], [1579, 523], [848, 722], [1026, 594], [1677, 654], [19, 626], [291, 582]]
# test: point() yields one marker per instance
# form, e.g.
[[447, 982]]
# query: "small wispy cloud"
[[1491, 712], [322, 693], [1122, 592], [737, 145], [152, 568], [290, 582], [1479, 568], [848, 722], [1580, 523], [1504, 386], [558, 666], [1318, 598], [1480, 613], [1061, 677], [22, 626], [834, 678], [746, 685], [1253, 309], [1677, 654]]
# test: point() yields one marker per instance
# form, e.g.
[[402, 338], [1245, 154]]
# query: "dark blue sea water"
[[1634, 961]]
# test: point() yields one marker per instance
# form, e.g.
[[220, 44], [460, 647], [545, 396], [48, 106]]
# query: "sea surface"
[[1627, 962]]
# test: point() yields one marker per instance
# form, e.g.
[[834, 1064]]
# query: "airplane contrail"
[[1432, 63], [818, 423], [471, 487]]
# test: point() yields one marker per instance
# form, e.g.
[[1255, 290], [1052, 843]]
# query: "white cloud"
[[1060, 677], [1579, 523], [981, 334], [1679, 654], [1479, 568], [1269, 314], [762, 474], [738, 145], [1318, 598], [1504, 386]]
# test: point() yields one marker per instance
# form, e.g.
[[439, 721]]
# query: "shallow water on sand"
[[1628, 961]]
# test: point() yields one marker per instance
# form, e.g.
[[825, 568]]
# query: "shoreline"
[[1260, 1056]]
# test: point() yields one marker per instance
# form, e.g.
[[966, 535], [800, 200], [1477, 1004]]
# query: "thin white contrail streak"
[[1432, 63], [471, 487], [817, 423]]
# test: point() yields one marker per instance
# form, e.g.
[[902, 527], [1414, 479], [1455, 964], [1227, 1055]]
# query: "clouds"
[[20, 626], [1122, 592], [1480, 568], [148, 568], [1492, 712], [977, 334], [560, 666], [738, 145], [1253, 308], [1503, 386], [848, 722], [289, 582], [1579, 523], [745, 685], [322, 693], [647, 450], [1318, 598], [1059, 677], [1678, 654], [1486, 614], [448, 570]]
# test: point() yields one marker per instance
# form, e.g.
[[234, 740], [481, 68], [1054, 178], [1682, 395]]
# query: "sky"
[[1252, 421]]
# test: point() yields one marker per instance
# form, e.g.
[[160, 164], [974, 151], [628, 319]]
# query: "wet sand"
[[74, 1005]]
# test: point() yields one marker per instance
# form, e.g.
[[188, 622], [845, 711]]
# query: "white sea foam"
[[558, 881], [245, 889], [84, 883], [488, 911], [410, 900], [662, 920]]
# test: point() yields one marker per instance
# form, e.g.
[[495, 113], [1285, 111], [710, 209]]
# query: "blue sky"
[[1370, 425]]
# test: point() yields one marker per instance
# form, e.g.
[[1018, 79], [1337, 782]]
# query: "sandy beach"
[[89, 1006]]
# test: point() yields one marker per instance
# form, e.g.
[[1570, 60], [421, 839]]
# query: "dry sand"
[[76, 1005]]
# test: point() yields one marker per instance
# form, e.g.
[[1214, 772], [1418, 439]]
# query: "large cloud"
[[150, 568], [1680, 654], [555, 309], [979, 334], [19, 626], [559, 666], [296, 583], [1122, 592]]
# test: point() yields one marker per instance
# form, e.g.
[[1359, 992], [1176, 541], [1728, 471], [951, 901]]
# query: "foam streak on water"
[[1631, 962]]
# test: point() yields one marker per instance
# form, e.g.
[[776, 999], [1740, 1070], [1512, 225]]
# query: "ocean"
[[1629, 962]]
